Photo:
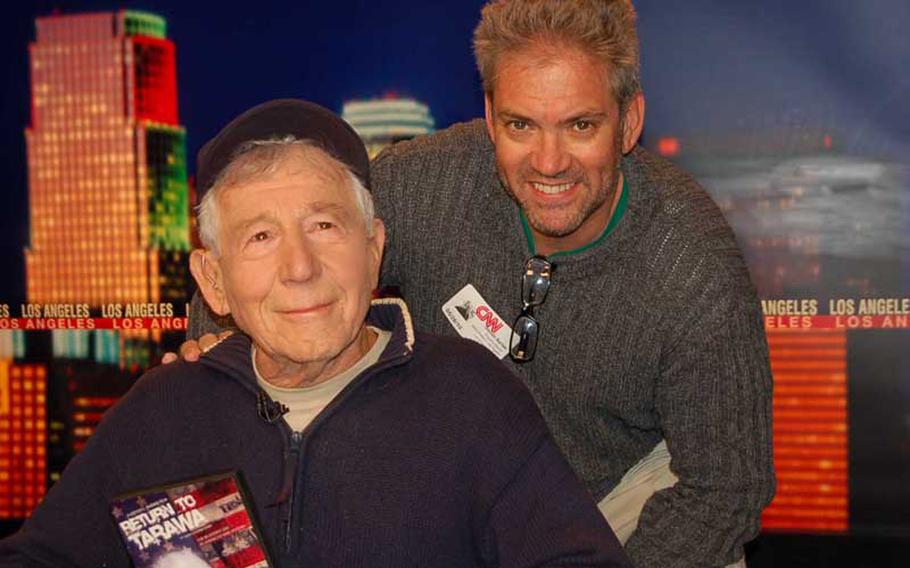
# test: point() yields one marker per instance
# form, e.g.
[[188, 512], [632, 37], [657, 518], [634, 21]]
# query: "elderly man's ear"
[[376, 247], [207, 273]]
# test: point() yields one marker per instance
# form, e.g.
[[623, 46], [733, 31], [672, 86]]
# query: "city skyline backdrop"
[[708, 66], [775, 125]]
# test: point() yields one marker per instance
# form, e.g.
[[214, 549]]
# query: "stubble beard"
[[559, 229]]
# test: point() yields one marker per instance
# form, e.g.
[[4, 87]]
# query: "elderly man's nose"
[[299, 262]]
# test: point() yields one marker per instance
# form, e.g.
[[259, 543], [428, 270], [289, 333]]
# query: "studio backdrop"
[[794, 116]]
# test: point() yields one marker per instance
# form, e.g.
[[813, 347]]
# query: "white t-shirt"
[[305, 403]]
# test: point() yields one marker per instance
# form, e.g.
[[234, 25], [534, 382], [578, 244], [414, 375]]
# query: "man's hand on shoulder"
[[191, 349]]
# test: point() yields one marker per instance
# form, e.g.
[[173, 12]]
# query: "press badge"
[[474, 319]]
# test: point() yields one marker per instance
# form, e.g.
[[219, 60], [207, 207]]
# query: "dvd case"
[[200, 522]]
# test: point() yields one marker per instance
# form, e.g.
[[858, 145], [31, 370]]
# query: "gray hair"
[[263, 158], [603, 29]]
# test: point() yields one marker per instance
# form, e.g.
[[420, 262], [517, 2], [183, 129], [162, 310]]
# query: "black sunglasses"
[[535, 282]]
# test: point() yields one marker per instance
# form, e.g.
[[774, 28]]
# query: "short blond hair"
[[603, 29]]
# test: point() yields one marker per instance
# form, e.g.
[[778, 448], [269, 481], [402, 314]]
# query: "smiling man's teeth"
[[551, 189]]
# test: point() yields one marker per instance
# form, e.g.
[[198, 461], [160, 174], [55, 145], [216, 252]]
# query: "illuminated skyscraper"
[[106, 162], [381, 122]]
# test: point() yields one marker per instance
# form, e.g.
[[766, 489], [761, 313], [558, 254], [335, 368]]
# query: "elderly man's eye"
[[259, 237], [324, 225]]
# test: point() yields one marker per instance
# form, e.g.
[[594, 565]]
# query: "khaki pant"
[[622, 507]]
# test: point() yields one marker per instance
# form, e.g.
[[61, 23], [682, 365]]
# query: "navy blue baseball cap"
[[278, 119]]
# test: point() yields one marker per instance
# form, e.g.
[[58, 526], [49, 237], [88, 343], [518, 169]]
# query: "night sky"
[[709, 66]]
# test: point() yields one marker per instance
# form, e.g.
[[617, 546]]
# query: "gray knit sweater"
[[653, 333]]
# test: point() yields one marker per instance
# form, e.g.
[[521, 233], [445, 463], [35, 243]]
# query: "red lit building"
[[106, 162], [810, 431], [23, 438]]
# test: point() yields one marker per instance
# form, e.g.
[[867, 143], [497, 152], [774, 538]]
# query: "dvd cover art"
[[204, 522]]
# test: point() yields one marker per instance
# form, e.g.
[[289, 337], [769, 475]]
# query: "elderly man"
[[639, 334], [363, 442]]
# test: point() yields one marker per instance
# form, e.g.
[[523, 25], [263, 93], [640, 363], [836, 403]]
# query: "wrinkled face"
[[559, 138], [297, 267]]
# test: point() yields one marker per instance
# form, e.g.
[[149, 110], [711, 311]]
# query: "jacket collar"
[[231, 355]]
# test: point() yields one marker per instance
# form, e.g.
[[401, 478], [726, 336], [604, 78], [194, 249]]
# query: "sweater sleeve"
[[203, 320], [714, 401], [387, 180]]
